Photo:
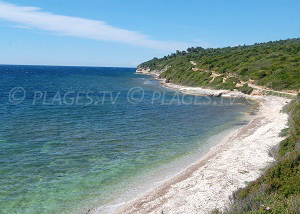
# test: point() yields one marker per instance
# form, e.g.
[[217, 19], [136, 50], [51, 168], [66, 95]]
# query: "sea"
[[75, 138]]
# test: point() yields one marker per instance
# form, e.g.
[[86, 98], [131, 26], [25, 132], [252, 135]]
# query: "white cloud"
[[34, 17]]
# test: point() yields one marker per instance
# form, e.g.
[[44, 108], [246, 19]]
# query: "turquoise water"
[[74, 137]]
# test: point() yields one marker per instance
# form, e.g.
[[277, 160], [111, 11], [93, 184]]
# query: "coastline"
[[209, 182], [198, 91], [239, 158]]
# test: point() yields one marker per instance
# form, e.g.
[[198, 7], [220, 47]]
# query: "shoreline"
[[238, 159], [258, 91], [193, 90], [209, 182], [174, 169]]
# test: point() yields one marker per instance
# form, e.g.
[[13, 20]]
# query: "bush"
[[245, 89]]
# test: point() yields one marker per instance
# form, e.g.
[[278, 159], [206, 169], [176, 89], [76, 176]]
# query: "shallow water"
[[75, 137]]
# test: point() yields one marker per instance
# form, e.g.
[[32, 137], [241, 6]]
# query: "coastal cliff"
[[148, 71]]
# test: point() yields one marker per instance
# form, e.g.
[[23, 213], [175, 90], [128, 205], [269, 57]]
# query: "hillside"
[[272, 65]]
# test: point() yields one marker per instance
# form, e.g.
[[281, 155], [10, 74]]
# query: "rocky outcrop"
[[143, 70], [206, 92], [193, 63], [148, 71]]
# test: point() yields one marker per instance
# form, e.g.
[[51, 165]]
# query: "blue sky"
[[128, 32]]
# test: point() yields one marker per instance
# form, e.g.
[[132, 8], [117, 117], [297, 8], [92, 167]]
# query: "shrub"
[[245, 89]]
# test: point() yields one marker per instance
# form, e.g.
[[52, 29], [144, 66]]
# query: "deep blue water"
[[78, 136]]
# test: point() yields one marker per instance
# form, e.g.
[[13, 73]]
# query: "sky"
[[125, 33]]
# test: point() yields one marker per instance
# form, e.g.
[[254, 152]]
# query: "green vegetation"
[[275, 65], [246, 89], [278, 189]]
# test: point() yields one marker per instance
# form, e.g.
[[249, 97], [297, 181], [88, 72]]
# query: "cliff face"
[[141, 70], [148, 71]]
